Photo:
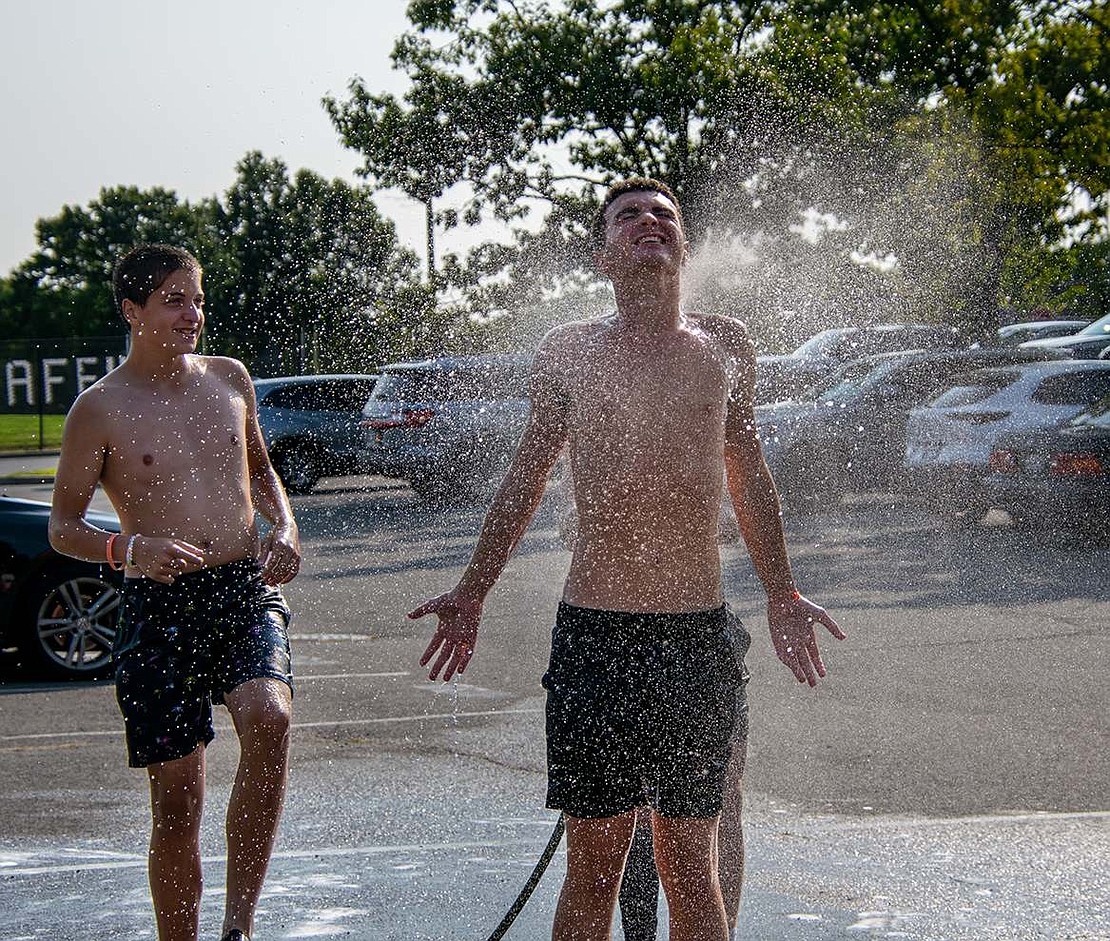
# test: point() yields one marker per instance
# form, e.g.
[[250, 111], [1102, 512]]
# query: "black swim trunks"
[[642, 710], [181, 646]]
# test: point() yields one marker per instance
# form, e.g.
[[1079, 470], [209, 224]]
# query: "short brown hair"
[[140, 272], [635, 184]]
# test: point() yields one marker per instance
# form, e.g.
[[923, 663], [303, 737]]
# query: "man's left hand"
[[792, 620], [281, 554]]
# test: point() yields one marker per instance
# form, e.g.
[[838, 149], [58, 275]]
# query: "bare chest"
[[681, 390], [162, 441]]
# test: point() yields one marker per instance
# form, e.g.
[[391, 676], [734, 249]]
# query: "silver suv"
[[449, 426], [311, 426]]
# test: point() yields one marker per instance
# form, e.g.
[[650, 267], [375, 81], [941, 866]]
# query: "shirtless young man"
[[173, 439], [654, 405]]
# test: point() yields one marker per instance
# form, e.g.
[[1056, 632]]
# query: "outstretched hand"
[[792, 623], [456, 632]]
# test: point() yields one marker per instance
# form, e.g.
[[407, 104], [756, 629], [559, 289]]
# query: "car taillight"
[[381, 424], [1079, 464], [1003, 462]]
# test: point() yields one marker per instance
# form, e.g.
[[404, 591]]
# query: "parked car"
[[1058, 476], [448, 426], [949, 442], [847, 433], [59, 612], [785, 377], [311, 426], [1015, 333], [1087, 343]]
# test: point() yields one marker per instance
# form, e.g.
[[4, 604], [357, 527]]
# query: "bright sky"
[[152, 93]]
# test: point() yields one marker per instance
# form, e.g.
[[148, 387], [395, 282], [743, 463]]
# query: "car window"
[[845, 385], [971, 388], [470, 383], [820, 344], [1078, 388], [916, 383], [1097, 416], [346, 395], [1100, 327]]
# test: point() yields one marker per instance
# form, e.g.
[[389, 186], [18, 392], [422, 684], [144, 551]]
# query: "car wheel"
[[70, 616], [298, 468]]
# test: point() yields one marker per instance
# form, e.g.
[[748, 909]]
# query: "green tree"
[[944, 139], [315, 276], [64, 288]]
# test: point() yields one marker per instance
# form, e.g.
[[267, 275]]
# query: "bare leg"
[[262, 711], [686, 854], [731, 834], [639, 895], [176, 804], [596, 851]]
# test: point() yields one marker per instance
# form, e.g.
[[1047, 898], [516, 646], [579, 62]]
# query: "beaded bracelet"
[[129, 557]]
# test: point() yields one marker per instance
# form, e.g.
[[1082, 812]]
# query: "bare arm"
[[84, 451], [460, 610], [790, 617], [281, 549]]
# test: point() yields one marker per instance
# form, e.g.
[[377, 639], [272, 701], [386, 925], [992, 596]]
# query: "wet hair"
[[140, 272], [635, 184]]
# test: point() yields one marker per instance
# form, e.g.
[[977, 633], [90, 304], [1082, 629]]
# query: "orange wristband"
[[112, 563]]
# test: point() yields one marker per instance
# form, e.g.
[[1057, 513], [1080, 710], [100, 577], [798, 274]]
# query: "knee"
[[176, 808], [268, 721]]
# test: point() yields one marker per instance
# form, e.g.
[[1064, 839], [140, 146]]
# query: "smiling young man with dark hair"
[[654, 406], [173, 439]]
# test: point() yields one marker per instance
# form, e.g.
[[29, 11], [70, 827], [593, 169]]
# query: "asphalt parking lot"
[[948, 780]]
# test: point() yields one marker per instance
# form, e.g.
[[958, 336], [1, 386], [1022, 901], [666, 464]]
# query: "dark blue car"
[[59, 612]]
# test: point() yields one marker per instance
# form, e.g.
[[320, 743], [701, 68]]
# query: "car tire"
[[69, 615], [297, 466]]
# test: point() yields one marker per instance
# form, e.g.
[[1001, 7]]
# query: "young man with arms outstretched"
[[654, 406], [173, 439]]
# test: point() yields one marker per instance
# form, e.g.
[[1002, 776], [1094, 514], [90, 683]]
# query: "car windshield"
[[1100, 327], [820, 344], [846, 384], [453, 385], [974, 387]]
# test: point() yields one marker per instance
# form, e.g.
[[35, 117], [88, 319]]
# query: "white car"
[[949, 442]]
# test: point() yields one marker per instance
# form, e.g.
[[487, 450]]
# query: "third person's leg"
[[639, 895], [730, 835]]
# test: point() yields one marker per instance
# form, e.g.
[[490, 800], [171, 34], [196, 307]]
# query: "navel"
[[148, 459]]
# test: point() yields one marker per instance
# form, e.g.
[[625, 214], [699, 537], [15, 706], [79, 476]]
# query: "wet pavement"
[[949, 780]]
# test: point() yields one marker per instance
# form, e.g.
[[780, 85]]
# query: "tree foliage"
[[951, 139], [301, 273]]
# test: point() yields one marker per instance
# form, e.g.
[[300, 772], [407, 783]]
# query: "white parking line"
[[334, 723], [140, 862]]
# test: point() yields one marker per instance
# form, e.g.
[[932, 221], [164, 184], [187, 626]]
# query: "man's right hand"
[[456, 633], [163, 559]]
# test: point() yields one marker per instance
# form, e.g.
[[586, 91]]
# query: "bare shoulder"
[[230, 371], [730, 334], [569, 340]]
